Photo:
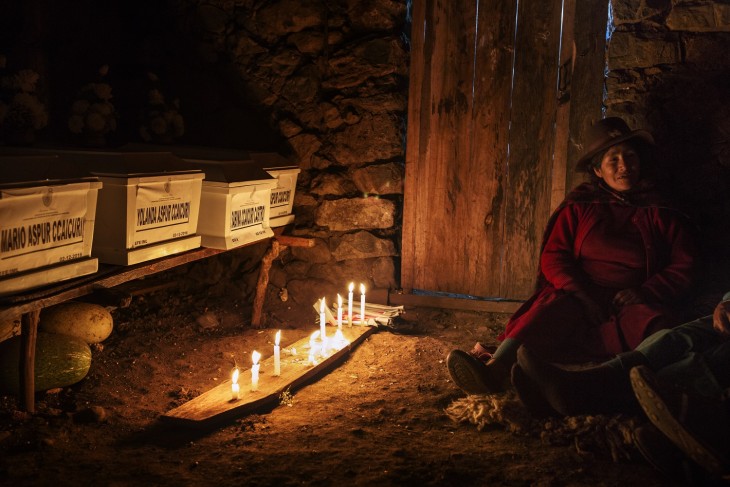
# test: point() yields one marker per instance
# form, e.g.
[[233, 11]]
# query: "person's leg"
[[598, 390], [669, 346], [473, 376], [692, 356]]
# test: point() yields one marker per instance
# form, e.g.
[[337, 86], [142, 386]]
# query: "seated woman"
[[614, 258]]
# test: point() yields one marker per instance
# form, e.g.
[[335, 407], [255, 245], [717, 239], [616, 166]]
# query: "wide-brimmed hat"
[[606, 133]]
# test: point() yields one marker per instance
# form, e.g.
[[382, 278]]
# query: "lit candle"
[[362, 303], [349, 303], [255, 356], [339, 339], [312, 344], [322, 321], [277, 354], [235, 388], [339, 313]]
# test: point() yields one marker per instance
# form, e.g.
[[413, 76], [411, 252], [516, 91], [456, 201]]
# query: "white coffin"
[[282, 196], [148, 207], [46, 226]]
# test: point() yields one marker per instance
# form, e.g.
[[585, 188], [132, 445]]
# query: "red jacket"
[[555, 321]]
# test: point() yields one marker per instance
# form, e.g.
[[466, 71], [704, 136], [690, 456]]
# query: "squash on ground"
[[90, 322], [60, 361]]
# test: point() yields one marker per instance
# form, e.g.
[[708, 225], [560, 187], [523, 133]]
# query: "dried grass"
[[597, 434]]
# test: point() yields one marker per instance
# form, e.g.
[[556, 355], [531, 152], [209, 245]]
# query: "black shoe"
[[474, 376]]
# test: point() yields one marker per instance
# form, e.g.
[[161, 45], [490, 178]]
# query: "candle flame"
[[234, 376], [351, 287], [362, 288], [255, 356], [339, 301], [321, 305], [278, 337]]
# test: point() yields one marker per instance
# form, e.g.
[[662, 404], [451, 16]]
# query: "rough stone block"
[[319, 254], [374, 138], [343, 273], [626, 51], [705, 17], [278, 19], [635, 11], [372, 59], [377, 103], [308, 291], [376, 15], [383, 271], [305, 146], [362, 245], [356, 214], [379, 179], [332, 184]]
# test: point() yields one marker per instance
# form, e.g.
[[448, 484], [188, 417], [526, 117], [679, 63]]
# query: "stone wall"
[[331, 79], [668, 65]]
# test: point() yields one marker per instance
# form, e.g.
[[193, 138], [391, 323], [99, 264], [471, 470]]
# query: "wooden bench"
[[29, 305]]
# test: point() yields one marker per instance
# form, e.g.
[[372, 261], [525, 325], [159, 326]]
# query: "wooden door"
[[483, 106]]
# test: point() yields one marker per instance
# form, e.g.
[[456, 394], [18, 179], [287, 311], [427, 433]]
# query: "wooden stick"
[[263, 283], [279, 243], [290, 241], [28, 336]]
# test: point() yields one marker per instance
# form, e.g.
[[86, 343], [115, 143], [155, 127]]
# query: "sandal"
[[480, 352]]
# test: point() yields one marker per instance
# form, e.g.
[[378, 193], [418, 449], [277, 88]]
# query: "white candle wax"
[[349, 303], [235, 388], [339, 339], [339, 312], [322, 320], [312, 345], [362, 304], [277, 355], [255, 356]]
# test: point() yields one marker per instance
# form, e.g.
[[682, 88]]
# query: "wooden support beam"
[[279, 243], [28, 336], [263, 282]]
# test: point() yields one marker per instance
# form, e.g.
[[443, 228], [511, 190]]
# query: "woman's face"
[[619, 167]]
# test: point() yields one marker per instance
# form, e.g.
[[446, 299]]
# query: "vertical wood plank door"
[[479, 153]]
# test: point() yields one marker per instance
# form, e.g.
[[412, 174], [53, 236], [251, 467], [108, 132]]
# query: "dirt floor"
[[378, 419]]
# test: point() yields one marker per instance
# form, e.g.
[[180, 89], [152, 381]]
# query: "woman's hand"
[[595, 313], [626, 297], [721, 318]]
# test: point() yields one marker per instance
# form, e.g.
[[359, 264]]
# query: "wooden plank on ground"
[[453, 303], [215, 405]]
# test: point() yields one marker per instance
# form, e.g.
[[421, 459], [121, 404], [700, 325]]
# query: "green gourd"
[[60, 361]]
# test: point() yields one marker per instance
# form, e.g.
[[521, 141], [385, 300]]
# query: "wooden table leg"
[[263, 282], [28, 335], [279, 243]]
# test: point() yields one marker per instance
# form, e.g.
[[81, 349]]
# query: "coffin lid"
[[31, 170]]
